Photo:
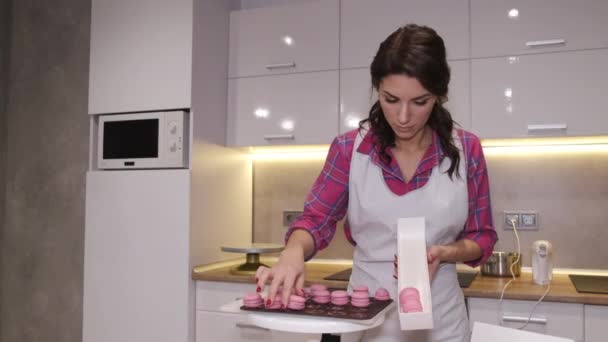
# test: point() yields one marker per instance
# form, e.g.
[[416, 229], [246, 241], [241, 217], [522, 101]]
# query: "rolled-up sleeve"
[[327, 201], [479, 226]]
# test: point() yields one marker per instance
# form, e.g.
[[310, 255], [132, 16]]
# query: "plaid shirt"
[[327, 201]]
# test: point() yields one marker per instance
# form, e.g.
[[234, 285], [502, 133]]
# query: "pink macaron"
[[411, 309], [277, 303], [360, 299], [317, 287], [339, 297], [382, 294], [361, 288], [252, 300], [321, 297], [360, 296], [409, 299], [296, 302], [408, 293]]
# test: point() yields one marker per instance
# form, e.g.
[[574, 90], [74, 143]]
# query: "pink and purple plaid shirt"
[[327, 201]]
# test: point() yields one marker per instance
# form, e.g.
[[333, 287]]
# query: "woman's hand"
[[434, 258], [433, 255], [288, 272]]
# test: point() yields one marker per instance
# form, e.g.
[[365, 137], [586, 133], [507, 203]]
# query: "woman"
[[406, 159]]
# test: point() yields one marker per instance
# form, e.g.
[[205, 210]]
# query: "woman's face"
[[406, 105]]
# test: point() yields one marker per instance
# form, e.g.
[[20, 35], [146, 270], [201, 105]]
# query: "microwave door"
[[131, 143]]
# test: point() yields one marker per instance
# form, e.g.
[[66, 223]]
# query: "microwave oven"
[[143, 140]]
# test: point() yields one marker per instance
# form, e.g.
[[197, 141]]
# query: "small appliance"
[[542, 262], [152, 140]]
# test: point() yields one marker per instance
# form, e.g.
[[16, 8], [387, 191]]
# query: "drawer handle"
[[545, 42], [249, 326], [519, 319], [279, 137], [548, 127], [291, 64]]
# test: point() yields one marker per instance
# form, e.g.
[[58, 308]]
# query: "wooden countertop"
[[522, 288], [315, 272]]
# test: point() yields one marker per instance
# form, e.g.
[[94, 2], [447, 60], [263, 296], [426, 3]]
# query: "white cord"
[[500, 320], [534, 307], [500, 317]]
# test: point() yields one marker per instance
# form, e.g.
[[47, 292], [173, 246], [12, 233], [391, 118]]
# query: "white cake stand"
[[307, 324]]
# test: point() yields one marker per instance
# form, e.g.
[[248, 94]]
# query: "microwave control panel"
[[175, 133]]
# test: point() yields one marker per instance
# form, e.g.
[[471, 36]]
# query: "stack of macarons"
[[296, 302], [252, 300], [360, 297], [319, 294], [317, 287], [276, 304], [339, 298], [382, 294], [409, 299]]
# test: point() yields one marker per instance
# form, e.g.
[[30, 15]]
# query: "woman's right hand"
[[288, 272]]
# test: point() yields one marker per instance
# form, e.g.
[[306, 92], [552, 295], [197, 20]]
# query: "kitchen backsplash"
[[569, 191]]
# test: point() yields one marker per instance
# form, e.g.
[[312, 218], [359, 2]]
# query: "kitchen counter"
[[522, 288]]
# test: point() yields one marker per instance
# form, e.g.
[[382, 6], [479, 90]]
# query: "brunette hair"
[[418, 52]]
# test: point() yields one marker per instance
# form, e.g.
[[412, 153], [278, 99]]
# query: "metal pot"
[[499, 264]]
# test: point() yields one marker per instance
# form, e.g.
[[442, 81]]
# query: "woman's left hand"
[[433, 256]]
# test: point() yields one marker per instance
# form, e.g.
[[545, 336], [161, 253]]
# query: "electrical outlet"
[[511, 216], [289, 216], [529, 220], [524, 220]]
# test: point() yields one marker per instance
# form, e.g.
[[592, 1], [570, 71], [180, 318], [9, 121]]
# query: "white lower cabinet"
[[550, 318], [227, 327], [213, 324], [596, 317]]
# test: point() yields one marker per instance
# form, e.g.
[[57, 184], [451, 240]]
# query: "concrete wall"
[[46, 159], [4, 42]]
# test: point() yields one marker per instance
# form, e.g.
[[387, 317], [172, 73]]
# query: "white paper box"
[[483, 332], [413, 271]]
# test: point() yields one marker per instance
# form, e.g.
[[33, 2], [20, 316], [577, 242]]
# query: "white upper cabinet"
[[141, 55], [284, 39], [365, 24], [543, 94], [357, 97], [459, 96], [294, 109], [514, 27]]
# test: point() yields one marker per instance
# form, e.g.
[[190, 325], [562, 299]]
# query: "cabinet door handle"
[[545, 42], [520, 319], [249, 326], [279, 137], [291, 64], [548, 127]]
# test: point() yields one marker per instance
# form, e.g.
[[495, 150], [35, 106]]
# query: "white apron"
[[373, 211]]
